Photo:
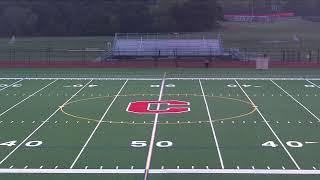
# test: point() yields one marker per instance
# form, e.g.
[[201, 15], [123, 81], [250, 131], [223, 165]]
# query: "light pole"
[[252, 10]]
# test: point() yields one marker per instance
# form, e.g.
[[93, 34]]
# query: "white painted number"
[[6, 85], [80, 85], [161, 144], [270, 144], [9, 143], [293, 144], [309, 86], [167, 85], [164, 144], [243, 85], [138, 143], [28, 144], [33, 143], [170, 85], [77, 85], [232, 85]]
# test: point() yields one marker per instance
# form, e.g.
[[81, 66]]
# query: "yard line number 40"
[[293, 144], [27, 144]]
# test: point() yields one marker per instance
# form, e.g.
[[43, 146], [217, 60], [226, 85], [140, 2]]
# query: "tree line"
[[105, 17]]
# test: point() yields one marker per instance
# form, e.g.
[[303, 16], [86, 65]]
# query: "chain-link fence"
[[18, 55], [50, 55]]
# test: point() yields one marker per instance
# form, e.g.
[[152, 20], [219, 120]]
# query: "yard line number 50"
[[161, 144]]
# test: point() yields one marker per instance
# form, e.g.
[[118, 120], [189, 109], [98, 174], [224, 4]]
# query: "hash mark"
[[56, 167], [25, 167], [162, 167], [41, 167], [11, 167], [101, 167], [314, 168], [283, 168], [268, 167]]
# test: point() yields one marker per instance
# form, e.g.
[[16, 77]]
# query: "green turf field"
[[118, 126]]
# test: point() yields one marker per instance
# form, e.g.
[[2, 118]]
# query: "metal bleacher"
[[139, 46]]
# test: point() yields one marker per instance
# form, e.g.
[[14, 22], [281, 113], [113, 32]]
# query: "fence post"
[[283, 55], [14, 55], [310, 56], [10, 55], [49, 55], [299, 55], [318, 56], [83, 56]]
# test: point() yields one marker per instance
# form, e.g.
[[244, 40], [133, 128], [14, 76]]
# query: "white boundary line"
[[27, 98], [11, 85], [312, 83], [212, 127], [95, 129], [42, 124], [279, 140], [295, 100], [162, 171], [159, 79], [154, 130]]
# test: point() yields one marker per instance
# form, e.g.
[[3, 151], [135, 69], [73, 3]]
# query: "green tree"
[[195, 15]]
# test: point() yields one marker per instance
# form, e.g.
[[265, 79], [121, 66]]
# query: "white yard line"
[[154, 130], [42, 124], [295, 100], [162, 171], [168, 78], [273, 132], [212, 127], [97, 126], [11, 85], [313, 83], [27, 98]]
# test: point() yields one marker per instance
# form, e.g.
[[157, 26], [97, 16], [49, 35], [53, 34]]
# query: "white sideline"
[[154, 130], [95, 129], [168, 78], [212, 127], [27, 98], [295, 100], [42, 124], [264, 119], [162, 171], [11, 85]]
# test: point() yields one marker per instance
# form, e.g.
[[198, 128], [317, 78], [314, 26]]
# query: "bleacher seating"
[[167, 47]]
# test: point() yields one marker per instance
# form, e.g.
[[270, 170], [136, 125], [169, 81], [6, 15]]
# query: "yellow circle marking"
[[254, 108]]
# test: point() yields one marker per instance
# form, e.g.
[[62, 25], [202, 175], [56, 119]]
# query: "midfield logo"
[[144, 107]]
